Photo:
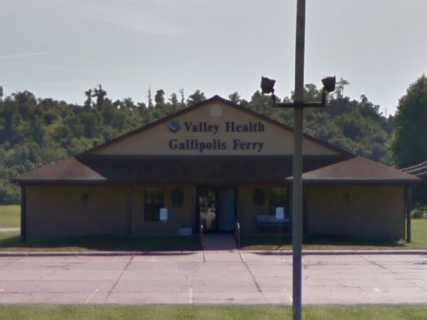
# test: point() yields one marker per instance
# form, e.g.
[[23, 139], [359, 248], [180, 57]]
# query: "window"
[[177, 198], [259, 197], [153, 201], [278, 198]]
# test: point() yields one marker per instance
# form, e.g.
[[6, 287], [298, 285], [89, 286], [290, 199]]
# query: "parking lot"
[[212, 277]]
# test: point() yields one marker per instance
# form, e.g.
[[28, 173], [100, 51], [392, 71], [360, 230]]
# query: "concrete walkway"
[[212, 277], [217, 241]]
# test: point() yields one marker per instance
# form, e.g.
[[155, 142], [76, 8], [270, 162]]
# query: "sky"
[[60, 48]]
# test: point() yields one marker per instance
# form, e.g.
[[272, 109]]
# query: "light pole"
[[297, 163], [267, 86]]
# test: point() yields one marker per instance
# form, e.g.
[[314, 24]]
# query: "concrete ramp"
[[218, 242]]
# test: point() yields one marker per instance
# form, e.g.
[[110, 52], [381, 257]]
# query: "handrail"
[[237, 234], [201, 234]]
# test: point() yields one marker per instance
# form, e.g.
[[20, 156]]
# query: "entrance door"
[[217, 209], [226, 210], [207, 209]]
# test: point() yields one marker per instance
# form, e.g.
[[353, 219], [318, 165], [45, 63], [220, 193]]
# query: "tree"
[[88, 101], [197, 97], [159, 98], [182, 97], [340, 87], [409, 146], [235, 97], [173, 100], [100, 95], [150, 98]]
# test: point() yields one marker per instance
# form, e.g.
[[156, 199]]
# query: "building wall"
[[75, 211], [275, 140], [355, 211], [177, 217], [247, 209], [71, 211]]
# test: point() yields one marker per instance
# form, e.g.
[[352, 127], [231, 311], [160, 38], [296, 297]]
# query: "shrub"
[[418, 213]]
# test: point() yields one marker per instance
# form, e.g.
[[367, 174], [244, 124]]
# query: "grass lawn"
[[10, 241], [419, 241], [10, 216], [208, 313]]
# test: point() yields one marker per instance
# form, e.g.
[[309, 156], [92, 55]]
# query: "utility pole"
[[267, 87], [297, 190]]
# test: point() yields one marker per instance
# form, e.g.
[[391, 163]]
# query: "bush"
[[419, 213]]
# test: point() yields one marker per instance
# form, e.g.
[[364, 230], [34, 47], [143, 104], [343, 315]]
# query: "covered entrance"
[[216, 208]]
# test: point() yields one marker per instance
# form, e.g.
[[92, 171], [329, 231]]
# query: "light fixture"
[[329, 84], [267, 85]]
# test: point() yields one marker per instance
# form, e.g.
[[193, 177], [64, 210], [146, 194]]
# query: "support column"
[[408, 208], [23, 213]]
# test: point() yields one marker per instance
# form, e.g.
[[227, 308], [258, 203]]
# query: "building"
[[213, 164]]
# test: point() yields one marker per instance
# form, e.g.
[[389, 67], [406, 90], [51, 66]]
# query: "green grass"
[[44, 312], [11, 241], [419, 234], [276, 242], [10, 216]]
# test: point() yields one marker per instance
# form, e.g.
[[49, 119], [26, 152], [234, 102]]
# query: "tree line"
[[34, 131]]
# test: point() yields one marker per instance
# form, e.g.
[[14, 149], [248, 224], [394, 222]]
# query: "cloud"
[[23, 55]]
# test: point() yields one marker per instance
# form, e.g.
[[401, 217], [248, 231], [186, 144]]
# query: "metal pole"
[[297, 202]]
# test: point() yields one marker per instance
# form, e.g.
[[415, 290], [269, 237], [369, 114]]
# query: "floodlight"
[[329, 84], [267, 85]]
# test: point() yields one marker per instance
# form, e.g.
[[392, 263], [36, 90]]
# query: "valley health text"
[[201, 144]]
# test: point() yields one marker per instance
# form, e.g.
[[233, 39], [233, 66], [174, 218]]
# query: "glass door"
[[207, 209]]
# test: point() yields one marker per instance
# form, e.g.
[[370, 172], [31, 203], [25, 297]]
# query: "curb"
[[171, 253], [340, 252], [92, 253]]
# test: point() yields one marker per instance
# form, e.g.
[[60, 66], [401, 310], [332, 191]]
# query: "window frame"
[[153, 204]]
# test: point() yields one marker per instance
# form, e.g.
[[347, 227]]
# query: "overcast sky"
[[60, 48]]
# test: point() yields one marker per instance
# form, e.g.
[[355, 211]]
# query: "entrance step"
[[215, 241]]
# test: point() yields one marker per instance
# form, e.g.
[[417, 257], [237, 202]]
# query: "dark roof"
[[359, 170], [68, 170], [420, 169], [213, 170]]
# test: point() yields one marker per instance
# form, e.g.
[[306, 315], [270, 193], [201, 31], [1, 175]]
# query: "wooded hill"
[[34, 131]]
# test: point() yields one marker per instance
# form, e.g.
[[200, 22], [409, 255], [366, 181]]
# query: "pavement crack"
[[257, 286], [119, 278]]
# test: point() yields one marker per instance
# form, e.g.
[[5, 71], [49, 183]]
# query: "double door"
[[217, 208]]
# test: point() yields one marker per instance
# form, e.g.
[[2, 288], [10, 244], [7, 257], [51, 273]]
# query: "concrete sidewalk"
[[212, 277]]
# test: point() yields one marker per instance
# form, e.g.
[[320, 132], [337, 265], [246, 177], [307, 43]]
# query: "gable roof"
[[84, 169], [358, 170], [69, 170], [217, 99]]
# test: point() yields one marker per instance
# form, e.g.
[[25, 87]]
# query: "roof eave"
[[360, 181], [24, 182]]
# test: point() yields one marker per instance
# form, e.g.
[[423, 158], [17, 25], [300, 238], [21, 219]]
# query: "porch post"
[[23, 213], [408, 205]]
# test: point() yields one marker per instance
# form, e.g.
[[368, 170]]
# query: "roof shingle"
[[358, 170], [65, 170]]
